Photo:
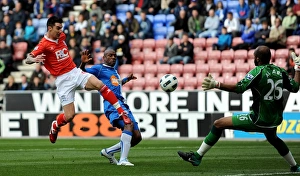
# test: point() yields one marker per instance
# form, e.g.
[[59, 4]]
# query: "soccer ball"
[[168, 83]]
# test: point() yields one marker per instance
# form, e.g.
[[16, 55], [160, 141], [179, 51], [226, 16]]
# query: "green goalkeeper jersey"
[[267, 83]]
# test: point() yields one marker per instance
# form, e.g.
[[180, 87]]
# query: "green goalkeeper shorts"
[[243, 122]]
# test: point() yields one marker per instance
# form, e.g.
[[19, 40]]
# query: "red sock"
[[108, 95], [61, 120]]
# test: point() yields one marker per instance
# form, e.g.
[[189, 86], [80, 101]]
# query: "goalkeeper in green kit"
[[266, 82]]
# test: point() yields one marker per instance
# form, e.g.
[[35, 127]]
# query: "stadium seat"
[[210, 42], [160, 18], [150, 17], [214, 55], [151, 70], [170, 30], [229, 67], [138, 70], [281, 54], [226, 75], [125, 69], [240, 55], [35, 22], [200, 42], [237, 40], [293, 41], [150, 58], [147, 50], [157, 25], [151, 83], [240, 75], [280, 63], [201, 55], [232, 4], [149, 43], [159, 53], [135, 50], [227, 55], [136, 43], [180, 83], [138, 18], [128, 85], [176, 69], [251, 63], [161, 43], [190, 84], [121, 17], [251, 54], [122, 8], [131, 7], [169, 19], [217, 76], [163, 69], [231, 80], [215, 68], [20, 50], [189, 69], [162, 31], [202, 68], [138, 84], [137, 58], [242, 67], [197, 49]]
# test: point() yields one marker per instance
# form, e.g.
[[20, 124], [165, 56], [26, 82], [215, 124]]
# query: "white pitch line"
[[276, 173]]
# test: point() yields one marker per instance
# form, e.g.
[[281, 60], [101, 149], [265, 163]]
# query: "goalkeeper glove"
[[296, 60], [210, 83]]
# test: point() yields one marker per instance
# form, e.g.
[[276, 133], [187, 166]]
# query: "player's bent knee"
[[218, 123]]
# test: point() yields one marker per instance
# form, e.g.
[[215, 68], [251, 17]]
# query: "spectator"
[[2, 70], [24, 85], [81, 23], [7, 7], [40, 9], [131, 25], [290, 64], [55, 9], [273, 3], [8, 25], [71, 21], [38, 72], [296, 10], [258, 11], [221, 12], [153, 7], [123, 51], [243, 11], [6, 56], [211, 25], [114, 23], [73, 46], [5, 37], [171, 50], [96, 10], [289, 22], [76, 59], [233, 25], [140, 5], [194, 5], [84, 34], [28, 7], [164, 7], [185, 51], [145, 29], [284, 7], [272, 17], [108, 6], [84, 12], [93, 27], [180, 6], [72, 34], [261, 35], [66, 5], [106, 22], [181, 24], [37, 84], [208, 5], [247, 37], [85, 45], [196, 24], [50, 82], [277, 37], [18, 15], [19, 33], [106, 39], [120, 31], [224, 41], [11, 85]]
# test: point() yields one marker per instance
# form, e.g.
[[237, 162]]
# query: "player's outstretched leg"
[[55, 125], [192, 157]]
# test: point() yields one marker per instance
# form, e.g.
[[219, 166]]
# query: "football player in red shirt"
[[53, 52]]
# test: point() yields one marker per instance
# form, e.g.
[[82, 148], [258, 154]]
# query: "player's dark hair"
[[52, 20], [263, 53]]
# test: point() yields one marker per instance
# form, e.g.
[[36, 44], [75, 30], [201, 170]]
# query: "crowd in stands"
[[116, 23]]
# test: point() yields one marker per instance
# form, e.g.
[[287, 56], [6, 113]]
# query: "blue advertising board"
[[289, 128]]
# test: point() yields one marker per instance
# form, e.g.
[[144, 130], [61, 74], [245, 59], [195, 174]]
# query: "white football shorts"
[[68, 83]]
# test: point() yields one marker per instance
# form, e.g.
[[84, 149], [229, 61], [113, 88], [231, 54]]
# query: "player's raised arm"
[[210, 83], [128, 78], [30, 59], [85, 58], [297, 67]]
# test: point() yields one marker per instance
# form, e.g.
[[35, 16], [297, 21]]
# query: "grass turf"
[[72, 157]]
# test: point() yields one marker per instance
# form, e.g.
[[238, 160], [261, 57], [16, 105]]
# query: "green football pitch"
[[72, 157]]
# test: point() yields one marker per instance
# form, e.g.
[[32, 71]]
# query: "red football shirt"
[[57, 59]]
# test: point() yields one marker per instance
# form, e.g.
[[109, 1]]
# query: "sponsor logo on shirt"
[[36, 48], [114, 80], [62, 54], [249, 76]]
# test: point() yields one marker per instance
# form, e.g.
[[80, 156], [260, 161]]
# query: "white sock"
[[290, 159], [125, 144], [203, 148], [114, 149]]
